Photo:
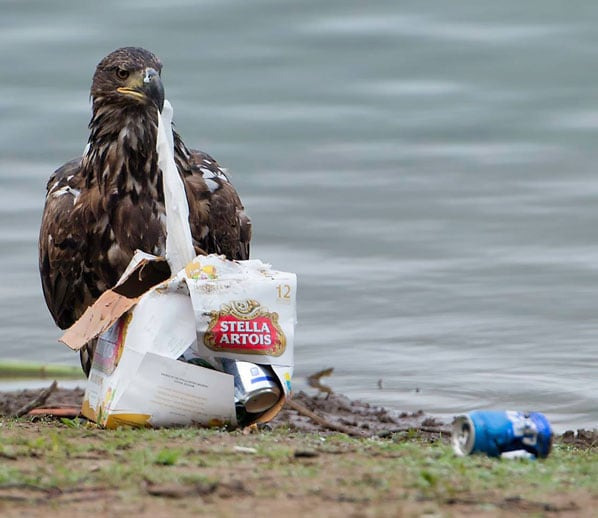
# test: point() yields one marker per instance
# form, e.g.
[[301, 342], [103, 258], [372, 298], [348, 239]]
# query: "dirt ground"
[[355, 417], [385, 464]]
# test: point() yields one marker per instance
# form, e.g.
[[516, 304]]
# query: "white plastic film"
[[179, 244]]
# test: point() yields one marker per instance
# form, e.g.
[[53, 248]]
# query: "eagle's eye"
[[121, 73]]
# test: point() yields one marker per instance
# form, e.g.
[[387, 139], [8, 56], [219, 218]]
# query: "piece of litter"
[[244, 449], [179, 243], [517, 454]]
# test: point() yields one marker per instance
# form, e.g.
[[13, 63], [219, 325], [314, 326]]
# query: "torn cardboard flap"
[[143, 273]]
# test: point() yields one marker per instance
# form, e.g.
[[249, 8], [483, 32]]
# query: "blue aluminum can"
[[498, 432]]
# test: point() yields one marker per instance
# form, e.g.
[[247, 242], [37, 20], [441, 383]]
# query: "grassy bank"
[[11, 370], [71, 468]]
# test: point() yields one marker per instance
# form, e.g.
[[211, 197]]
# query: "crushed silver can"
[[502, 433], [256, 388]]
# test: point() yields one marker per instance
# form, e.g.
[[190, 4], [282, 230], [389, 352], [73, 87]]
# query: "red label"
[[229, 331], [258, 333]]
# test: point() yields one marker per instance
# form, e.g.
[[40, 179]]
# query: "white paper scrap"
[[174, 392], [179, 243], [162, 323]]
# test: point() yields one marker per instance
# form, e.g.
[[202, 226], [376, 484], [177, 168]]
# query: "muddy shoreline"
[[322, 412], [352, 416]]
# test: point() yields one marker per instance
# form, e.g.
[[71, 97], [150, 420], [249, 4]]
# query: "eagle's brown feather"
[[102, 207]]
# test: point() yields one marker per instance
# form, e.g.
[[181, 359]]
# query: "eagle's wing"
[[62, 247], [218, 220], [77, 259]]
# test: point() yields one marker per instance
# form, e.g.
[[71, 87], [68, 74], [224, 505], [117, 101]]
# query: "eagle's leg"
[[86, 355]]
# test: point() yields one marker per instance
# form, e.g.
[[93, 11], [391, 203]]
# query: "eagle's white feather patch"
[[65, 190], [213, 185], [207, 174]]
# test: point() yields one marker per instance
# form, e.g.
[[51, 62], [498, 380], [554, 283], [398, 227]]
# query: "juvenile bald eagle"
[[102, 207]]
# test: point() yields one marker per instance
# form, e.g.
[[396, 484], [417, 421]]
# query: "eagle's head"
[[128, 77]]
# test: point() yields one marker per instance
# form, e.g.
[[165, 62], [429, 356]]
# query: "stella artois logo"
[[245, 326]]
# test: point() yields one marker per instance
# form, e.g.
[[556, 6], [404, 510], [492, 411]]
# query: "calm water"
[[430, 174]]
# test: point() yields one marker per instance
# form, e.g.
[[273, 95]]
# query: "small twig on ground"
[[38, 401], [295, 405], [8, 455]]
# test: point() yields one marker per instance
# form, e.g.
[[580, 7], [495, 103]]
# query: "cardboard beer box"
[[162, 339]]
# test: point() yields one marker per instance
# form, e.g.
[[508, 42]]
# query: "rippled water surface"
[[429, 173]]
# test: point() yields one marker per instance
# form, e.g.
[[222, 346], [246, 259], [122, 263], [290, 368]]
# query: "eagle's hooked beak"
[[152, 84], [145, 87]]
